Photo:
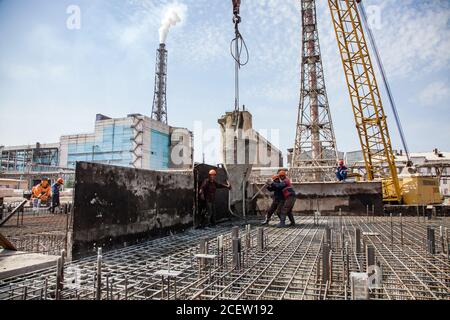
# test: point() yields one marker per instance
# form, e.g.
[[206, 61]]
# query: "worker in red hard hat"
[[289, 196], [56, 188], [277, 200], [341, 171], [208, 194]]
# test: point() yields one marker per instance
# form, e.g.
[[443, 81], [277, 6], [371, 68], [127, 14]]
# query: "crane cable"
[[237, 47], [385, 80]]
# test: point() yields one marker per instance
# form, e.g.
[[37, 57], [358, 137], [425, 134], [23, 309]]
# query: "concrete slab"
[[14, 263], [329, 198]]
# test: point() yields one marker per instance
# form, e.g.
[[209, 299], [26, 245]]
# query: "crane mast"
[[368, 110]]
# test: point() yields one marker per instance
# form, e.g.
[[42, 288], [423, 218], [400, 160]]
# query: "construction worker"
[[41, 193], [56, 188], [289, 199], [278, 199], [341, 171], [208, 193]]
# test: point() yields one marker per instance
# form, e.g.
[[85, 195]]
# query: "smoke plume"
[[173, 14]]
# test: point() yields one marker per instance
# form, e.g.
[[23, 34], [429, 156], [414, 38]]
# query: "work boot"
[[292, 220], [282, 224]]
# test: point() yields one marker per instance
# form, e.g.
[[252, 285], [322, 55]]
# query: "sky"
[[54, 78]]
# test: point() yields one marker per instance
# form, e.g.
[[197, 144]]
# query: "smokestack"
[[159, 110], [173, 14]]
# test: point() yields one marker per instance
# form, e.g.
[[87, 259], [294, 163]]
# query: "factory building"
[[29, 158], [134, 141]]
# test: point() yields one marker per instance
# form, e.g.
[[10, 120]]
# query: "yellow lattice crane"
[[368, 109], [365, 97]]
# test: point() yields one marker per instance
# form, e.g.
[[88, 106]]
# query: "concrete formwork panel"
[[116, 206]]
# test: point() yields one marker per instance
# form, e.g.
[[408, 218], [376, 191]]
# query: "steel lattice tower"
[[315, 144], [159, 110]]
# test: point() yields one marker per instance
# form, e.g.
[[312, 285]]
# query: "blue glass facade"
[[159, 153], [113, 146]]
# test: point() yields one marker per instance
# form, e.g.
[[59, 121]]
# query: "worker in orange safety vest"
[[41, 193]]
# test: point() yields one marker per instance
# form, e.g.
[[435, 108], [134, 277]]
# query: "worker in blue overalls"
[[277, 201], [341, 171]]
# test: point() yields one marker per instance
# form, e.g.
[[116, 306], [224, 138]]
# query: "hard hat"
[[341, 162], [45, 179], [212, 173], [282, 173], [60, 181], [275, 177]]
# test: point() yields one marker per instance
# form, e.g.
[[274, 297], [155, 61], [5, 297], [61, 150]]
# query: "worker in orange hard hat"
[[208, 194], [277, 199], [282, 173], [341, 171], [56, 188], [289, 196], [41, 193]]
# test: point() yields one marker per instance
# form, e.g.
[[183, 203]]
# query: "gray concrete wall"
[[116, 206], [351, 198]]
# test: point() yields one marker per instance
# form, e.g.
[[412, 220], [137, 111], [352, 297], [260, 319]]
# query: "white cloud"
[[415, 38], [435, 94], [138, 27], [20, 71], [24, 72]]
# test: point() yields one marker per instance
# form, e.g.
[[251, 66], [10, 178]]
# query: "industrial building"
[[29, 158], [135, 141]]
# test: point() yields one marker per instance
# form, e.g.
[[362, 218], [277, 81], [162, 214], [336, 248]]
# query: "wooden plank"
[[5, 243]]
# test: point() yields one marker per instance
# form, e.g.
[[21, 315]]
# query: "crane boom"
[[365, 97], [385, 80]]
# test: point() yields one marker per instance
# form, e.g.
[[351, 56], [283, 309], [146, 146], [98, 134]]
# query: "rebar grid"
[[289, 267], [39, 232]]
